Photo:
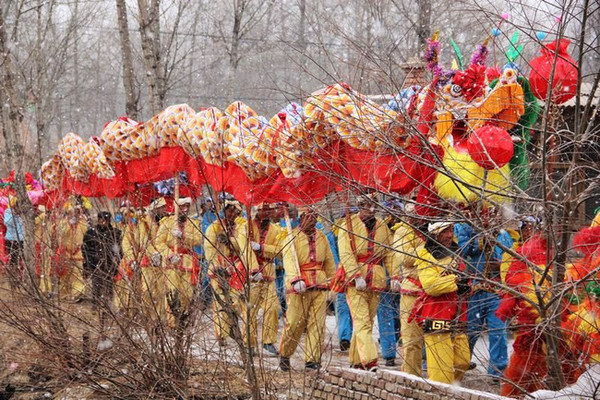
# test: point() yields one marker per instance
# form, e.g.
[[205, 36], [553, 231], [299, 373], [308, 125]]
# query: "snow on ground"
[[586, 387], [206, 347]]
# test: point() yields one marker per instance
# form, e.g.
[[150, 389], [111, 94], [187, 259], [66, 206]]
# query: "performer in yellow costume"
[[222, 255], [154, 289], [134, 245], [441, 309], [266, 246], [45, 241], [364, 244], [70, 231], [309, 267], [408, 237], [175, 241]]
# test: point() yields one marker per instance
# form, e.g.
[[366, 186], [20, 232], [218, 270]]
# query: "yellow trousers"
[[363, 308], [262, 296], [45, 274], [305, 313], [124, 296], [412, 338], [180, 282], [221, 307], [72, 284], [154, 296], [447, 358]]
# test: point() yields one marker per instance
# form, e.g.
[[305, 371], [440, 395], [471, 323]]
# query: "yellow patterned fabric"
[[462, 179]]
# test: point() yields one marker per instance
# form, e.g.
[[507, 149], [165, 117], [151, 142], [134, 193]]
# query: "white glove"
[[156, 259], [255, 246], [177, 233], [395, 285], [174, 259], [360, 284], [299, 287], [257, 277], [115, 248], [134, 265]]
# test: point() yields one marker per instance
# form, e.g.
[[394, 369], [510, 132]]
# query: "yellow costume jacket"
[[367, 255], [314, 263]]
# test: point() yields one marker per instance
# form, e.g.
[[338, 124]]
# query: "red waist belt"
[[62, 255], [308, 273], [371, 263], [311, 266], [369, 259], [261, 262], [194, 270], [126, 270], [444, 307], [415, 282], [62, 252]]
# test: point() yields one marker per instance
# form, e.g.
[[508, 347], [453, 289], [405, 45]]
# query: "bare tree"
[[149, 26], [424, 24], [12, 120], [131, 92]]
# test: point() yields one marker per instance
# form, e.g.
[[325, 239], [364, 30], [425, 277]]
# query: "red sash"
[[415, 282], [194, 269], [262, 260]]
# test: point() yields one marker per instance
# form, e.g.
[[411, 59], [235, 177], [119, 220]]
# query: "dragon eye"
[[456, 90]]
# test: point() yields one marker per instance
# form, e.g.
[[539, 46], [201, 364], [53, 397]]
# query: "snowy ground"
[[206, 347]]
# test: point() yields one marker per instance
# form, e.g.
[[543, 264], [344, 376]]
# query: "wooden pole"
[[250, 236], [176, 209], [288, 224]]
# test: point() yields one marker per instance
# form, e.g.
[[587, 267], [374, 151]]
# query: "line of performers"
[[449, 280]]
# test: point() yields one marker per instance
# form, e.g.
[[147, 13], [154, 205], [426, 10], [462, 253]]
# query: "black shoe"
[[390, 362], [312, 365], [472, 366], [284, 364], [232, 333], [344, 345], [373, 367], [269, 348]]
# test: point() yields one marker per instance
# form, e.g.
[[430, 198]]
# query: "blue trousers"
[[206, 293], [388, 318], [280, 287], [344, 319], [481, 311]]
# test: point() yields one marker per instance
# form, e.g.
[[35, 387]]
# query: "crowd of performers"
[[434, 285]]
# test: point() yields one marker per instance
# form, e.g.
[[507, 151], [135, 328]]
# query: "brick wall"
[[351, 384]]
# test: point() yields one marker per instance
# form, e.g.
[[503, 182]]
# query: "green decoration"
[[593, 289], [513, 50], [519, 163], [459, 57], [573, 299]]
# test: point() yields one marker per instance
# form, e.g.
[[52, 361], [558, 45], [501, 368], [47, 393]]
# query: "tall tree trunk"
[[11, 121], [234, 49], [238, 13], [40, 120], [76, 125], [190, 77], [131, 100], [302, 44], [424, 28], [150, 35]]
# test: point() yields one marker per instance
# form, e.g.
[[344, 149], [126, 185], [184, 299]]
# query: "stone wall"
[[351, 384]]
